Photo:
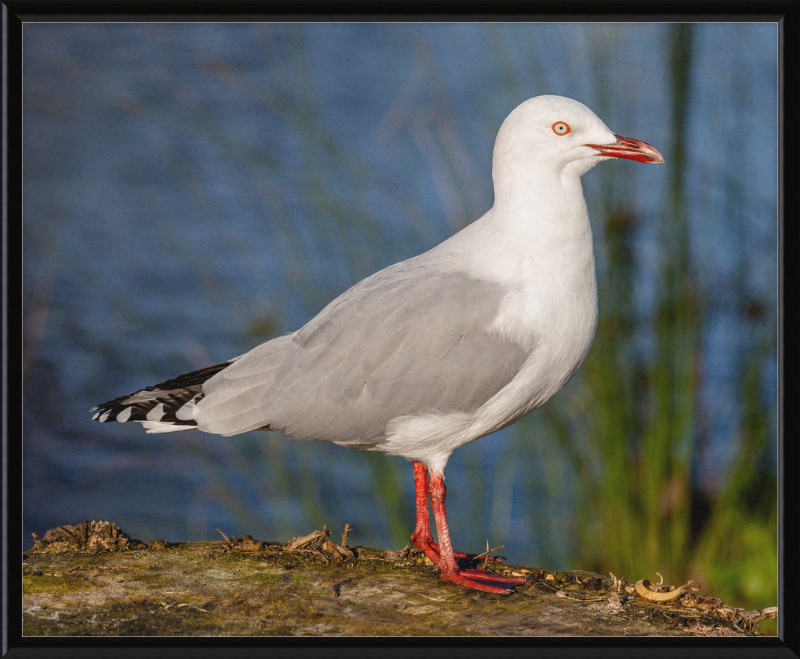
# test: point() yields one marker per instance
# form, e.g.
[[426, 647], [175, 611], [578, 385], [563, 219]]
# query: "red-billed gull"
[[439, 350]]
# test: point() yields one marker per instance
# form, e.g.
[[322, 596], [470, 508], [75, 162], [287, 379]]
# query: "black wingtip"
[[173, 393]]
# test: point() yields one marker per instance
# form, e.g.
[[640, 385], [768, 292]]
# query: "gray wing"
[[404, 341]]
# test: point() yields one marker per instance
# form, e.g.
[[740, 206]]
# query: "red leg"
[[422, 537], [477, 579]]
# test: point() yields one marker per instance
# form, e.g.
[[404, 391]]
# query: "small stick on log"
[[298, 543], [345, 535], [336, 551], [486, 553], [318, 553], [325, 534], [481, 555]]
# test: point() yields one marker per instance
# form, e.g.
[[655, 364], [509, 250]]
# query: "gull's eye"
[[561, 128]]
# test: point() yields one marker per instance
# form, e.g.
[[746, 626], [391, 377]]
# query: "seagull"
[[437, 351]]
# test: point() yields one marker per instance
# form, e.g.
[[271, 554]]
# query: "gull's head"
[[558, 134]]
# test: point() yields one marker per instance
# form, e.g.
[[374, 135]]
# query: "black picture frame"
[[17, 12]]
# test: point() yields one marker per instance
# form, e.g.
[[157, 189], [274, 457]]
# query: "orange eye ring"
[[561, 128]]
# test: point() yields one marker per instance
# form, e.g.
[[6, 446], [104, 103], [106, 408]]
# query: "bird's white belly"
[[558, 329]]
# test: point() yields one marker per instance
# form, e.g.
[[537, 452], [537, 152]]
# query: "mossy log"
[[93, 580]]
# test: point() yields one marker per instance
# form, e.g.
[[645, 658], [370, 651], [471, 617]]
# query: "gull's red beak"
[[625, 147]]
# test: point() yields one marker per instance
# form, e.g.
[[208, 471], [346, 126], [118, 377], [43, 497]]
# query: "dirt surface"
[[313, 586]]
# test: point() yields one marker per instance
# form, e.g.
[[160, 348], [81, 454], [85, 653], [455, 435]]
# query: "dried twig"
[[486, 553], [193, 606], [300, 542], [325, 533], [405, 551], [345, 535], [316, 551], [562, 594], [336, 551]]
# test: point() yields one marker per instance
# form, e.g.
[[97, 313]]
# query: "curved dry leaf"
[[643, 590]]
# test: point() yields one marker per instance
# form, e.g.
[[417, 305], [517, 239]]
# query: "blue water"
[[192, 190]]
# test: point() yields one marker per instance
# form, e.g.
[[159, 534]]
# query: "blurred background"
[[192, 190]]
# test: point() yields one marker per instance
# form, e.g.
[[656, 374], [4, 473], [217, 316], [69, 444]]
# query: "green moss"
[[32, 585]]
